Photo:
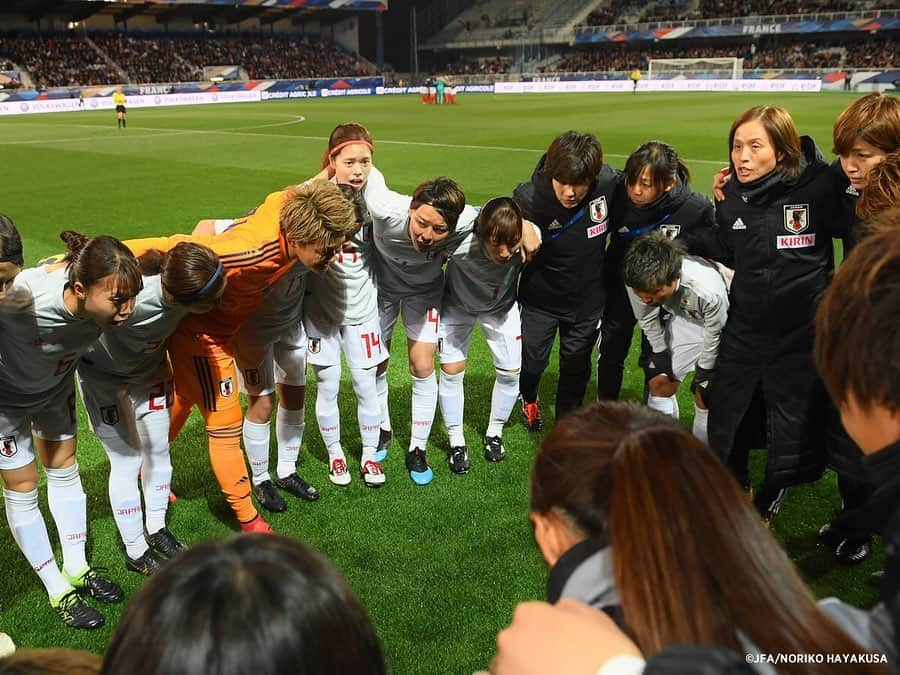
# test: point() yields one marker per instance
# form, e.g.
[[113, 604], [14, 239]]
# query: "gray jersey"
[[40, 339], [701, 296], [400, 270], [136, 351], [478, 284], [344, 294]]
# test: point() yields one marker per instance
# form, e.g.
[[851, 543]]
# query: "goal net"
[[722, 68]]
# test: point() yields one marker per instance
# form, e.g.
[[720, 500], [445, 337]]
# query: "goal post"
[[718, 68]]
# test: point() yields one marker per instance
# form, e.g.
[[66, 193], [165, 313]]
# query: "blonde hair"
[[317, 212]]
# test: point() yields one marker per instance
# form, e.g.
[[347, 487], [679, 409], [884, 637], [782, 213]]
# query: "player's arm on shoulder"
[[140, 246], [531, 240], [204, 228], [381, 201]]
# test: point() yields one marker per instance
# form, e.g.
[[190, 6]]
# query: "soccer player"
[[411, 235], [119, 101], [49, 317], [341, 315], [569, 197], [11, 256], [653, 194], [126, 385], [681, 303], [307, 224], [480, 287]]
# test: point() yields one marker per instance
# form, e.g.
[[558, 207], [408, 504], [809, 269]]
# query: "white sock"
[[30, 533], [503, 400], [335, 451], [452, 399], [664, 404], [124, 496], [328, 413], [289, 428], [381, 384], [156, 475], [424, 403], [701, 417], [368, 410], [68, 504], [256, 445]]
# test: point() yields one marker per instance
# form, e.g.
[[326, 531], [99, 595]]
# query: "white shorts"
[[421, 318], [262, 363], [502, 330], [53, 420], [361, 344], [685, 340], [120, 410]]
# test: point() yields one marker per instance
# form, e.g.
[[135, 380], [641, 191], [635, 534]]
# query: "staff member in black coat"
[[654, 193], [569, 198], [776, 224]]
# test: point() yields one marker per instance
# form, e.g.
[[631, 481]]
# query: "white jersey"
[[400, 270], [136, 351], [476, 282], [40, 339], [700, 296], [344, 294]]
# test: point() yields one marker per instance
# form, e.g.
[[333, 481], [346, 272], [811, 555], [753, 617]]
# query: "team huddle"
[[150, 328]]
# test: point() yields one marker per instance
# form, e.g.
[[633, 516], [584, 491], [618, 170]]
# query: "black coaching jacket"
[[566, 276], [777, 235]]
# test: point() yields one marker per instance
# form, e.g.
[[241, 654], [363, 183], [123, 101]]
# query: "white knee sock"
[[452, 399], [328, 413], [124, 496], [503, 399], [664, 404], [68, 504], [424, 403], [30, 533], [701, 418], [289, 428], [381, 383], [368, 410], [256, 445], [156, 476]]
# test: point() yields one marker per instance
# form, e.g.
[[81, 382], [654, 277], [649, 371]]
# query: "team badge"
[[251, 376], [670, 231], [796, 218], [599, 210], [110, 415], [8, 446], [226, 387], [315, 345]]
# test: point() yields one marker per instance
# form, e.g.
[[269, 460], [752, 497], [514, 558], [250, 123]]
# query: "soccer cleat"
[[298, 487], [7, 646], [372, 474], [418, 468], [256, 525], [337, 471], [172, 497], [493, 449], [853, 550], [829, 535], [531, 416], [91, 583], [75, 612], [459, 459], [384, 442], [146, 564], [165, 542], [268, 497]]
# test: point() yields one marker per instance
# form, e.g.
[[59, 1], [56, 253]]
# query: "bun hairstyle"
[[89, 259]]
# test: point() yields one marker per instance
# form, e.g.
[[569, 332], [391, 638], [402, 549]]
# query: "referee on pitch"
[[569, 198]]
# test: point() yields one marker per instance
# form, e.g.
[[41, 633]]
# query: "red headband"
[[340, 146]]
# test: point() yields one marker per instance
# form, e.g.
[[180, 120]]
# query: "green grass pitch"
[[441, 567]]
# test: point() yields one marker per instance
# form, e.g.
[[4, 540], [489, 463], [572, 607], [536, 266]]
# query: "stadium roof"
[[222, 11]]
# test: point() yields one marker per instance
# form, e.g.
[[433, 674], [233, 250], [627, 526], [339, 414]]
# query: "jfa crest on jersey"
[[110, 415], [796, 218], [251, 376], [670, 231], [226, 387], [8, 446], [314, 345], [599, 210]]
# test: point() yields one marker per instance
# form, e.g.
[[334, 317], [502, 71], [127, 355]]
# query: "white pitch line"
[[242, 131]]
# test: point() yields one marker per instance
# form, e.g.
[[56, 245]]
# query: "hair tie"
[[340, 146]]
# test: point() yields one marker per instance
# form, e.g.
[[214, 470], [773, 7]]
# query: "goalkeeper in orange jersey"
[[305, 225]]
